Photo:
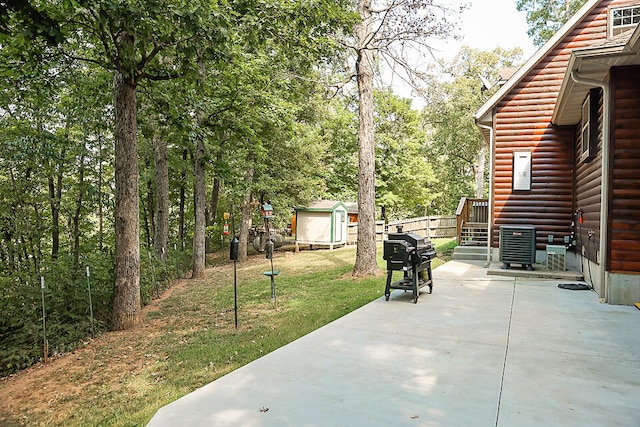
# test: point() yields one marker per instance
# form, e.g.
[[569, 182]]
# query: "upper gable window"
[[623, 19]]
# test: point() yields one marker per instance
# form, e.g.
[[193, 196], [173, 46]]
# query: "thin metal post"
[[44, 324], [165, 273], [233, 250], [273, 286], [93, 332], [175, 250], [235, 293]]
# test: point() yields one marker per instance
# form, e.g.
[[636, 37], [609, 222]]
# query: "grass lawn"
[[189, 339]]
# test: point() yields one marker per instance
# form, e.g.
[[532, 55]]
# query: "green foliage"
[[66, 301], [339, 132], [68, 320], [28, 20], [455, 141], [243, 76], [190, 339], [405, 181], [545, 17], [404, 177], [260, 96], [156, 276]]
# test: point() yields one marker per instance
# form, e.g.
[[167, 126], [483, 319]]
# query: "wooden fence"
[[428, 226]]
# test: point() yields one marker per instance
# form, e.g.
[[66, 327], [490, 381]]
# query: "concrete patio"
[[480, 351]]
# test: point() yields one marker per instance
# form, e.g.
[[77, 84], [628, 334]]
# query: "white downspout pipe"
[[606, 173], [490, 198]]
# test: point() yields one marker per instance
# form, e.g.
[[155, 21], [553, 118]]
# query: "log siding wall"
[[624, 215], [588, 181], [523, 122]]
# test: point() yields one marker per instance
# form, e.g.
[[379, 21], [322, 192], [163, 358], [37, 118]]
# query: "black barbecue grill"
[[412, 255]]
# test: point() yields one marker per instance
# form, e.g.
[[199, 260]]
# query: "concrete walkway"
[[480, 351]]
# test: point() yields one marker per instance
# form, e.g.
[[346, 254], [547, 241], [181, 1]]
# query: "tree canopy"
[[545, 17], [149, 85], [454, 141], [127, 129]]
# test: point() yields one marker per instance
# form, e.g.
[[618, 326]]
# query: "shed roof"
[[323, 206], [352, 207]]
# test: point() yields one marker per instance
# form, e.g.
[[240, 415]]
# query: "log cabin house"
[[564, 134]]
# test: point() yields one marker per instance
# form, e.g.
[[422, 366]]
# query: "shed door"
[[338, 225]]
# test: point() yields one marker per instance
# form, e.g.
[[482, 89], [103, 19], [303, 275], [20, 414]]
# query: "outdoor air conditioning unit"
[[518, 246], [556, 257]]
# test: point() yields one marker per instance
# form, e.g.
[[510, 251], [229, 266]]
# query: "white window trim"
[[617, 29], [585, 129]]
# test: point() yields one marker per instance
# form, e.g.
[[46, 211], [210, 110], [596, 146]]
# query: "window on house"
[[586, 126], [589, 125], [623, 19]]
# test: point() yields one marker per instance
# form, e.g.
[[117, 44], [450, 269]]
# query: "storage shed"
[[322, 223]]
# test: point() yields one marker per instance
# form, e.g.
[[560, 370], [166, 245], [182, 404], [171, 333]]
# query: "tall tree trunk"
[[365, 264], [213, 205], [247, 212], [161, 237], [481, 161], [215, 194], [100, 214], [183, 197], [211, 212], [199, 193], [126, 295], [76, 215], [199, 199], [55, 218], [55, 198], [149, 212], [35, 248]]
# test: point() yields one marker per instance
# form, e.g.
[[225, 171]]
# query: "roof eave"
[[577, 59], [634, 41], [534, 60], [316, 208]]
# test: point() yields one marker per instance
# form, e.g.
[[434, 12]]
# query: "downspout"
[[606, 172], [490, 198]]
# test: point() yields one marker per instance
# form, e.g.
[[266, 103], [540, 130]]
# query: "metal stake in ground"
[[272, 273], [175, 250], [233, 254], [93, 332], [44, 324], [234, 246]]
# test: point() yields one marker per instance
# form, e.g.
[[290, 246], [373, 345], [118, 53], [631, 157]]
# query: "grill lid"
[[413, 239]]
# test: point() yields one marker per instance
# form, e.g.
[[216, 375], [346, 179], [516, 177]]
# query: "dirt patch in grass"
[[187, 339], [123, 363], [55, 389]]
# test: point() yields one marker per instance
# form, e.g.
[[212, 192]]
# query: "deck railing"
[[431, 227], [472, 222]]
